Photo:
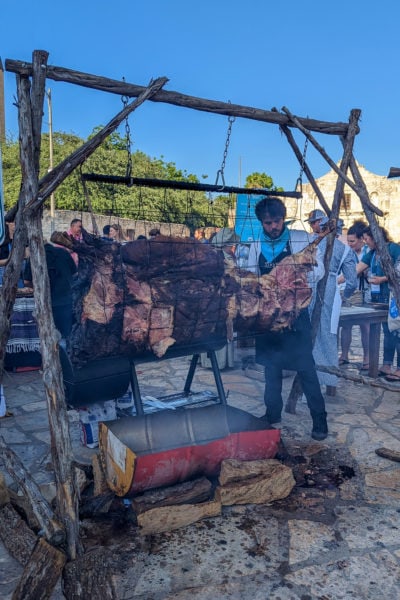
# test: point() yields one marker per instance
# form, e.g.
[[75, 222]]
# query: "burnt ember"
[[321, 471]]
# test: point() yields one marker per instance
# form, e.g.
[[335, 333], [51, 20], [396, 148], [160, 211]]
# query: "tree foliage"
[[194, 209], [258, 180]]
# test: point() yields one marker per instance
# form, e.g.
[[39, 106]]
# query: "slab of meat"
[[147, 296]]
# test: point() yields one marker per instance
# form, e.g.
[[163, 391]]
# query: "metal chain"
[[299, 182], [220, 172], [125, 100]]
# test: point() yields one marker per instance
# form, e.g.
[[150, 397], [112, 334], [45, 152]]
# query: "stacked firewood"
[[239, 482]]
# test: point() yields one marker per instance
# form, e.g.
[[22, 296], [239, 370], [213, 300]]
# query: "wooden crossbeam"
[[122, 88], [394, 172]]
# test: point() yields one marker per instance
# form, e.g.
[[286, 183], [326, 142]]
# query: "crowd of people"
[[355, 275]]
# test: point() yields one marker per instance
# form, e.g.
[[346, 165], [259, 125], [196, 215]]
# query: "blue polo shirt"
[[371, 259]]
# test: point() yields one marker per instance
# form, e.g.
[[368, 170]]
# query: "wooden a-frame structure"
[[62, 528]]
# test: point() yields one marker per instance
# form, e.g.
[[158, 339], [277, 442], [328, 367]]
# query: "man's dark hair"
[[357, 228], [75, 221], [106, 229], [154, 232], [271, 206]]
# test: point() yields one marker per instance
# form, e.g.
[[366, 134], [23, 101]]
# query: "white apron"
[[337, 300]]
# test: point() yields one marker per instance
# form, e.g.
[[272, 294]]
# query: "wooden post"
[[357, 378], [296, 391], [90, 576], [41, 573], [321, 150], [290, 138], [52, 530], [17, 537], [67, 497], [2, 111], [387, 264]]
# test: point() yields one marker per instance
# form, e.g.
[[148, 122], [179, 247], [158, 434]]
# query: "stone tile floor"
[[336, 536]]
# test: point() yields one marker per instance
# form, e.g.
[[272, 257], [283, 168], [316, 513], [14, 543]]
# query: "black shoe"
[[273, 418], [320, 427]]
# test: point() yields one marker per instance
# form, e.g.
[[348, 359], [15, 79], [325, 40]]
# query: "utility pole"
[[2, 143], [2, 109], [50, 115]]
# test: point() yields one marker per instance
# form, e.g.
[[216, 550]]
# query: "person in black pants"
[[61, 269], [289, 349]]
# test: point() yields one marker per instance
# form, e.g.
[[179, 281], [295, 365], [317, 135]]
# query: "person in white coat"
[[342, 262]]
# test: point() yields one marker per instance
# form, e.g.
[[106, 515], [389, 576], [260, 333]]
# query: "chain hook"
[[128, 174], [299, 181], [299, 185], [220, 172]]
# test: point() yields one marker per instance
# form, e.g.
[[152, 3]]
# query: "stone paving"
[[325, 541]]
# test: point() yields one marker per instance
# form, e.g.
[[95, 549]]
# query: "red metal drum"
[[169, 447]]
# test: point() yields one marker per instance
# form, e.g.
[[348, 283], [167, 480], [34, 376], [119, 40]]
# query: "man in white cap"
[[227, 240], [314, 218]]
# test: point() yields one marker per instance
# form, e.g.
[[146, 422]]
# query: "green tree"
[[261, 181], [195, 209], [11, 172]]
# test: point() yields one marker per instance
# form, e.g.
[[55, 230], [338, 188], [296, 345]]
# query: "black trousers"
[[391, 345], [63, 319], [273, 391]]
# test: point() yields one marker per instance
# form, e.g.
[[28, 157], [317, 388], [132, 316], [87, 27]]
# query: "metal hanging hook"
[[299, 182], [220, 172], [128, 174]]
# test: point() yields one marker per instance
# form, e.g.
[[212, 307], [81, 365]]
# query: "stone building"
[[383, 192]]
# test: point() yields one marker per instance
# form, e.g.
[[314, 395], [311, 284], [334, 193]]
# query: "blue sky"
[[319, 59]]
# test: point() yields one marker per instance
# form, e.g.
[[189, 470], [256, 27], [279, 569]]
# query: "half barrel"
[[168, 447]]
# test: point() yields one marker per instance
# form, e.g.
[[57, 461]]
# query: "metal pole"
[[50, 115]]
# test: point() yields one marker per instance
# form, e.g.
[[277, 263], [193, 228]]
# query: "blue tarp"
[[247, 226]]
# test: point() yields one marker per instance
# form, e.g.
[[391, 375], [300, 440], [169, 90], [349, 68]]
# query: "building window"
[[382, 203], [385, 206], [346, 203]]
